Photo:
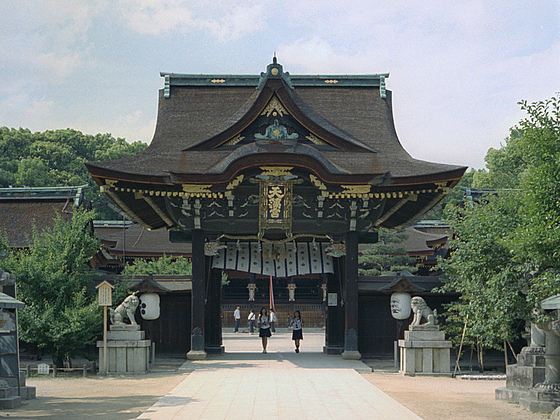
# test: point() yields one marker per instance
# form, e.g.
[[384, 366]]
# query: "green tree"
[[56, 158], [387, 255], [52, 277], [162, 265], [482, 270], [505, 251]]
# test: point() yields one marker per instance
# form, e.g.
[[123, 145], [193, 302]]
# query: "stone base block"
[[524, 377], [541, 401], [333, 349], [422, 335], [351, 355], [10, 402], [215, 349], [536, 406], [531, 356], [126, 335], [28, 392], [511, 395], [425, 357], [126, 356], [196, 355]]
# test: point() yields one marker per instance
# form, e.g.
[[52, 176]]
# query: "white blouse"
[[264, 321], [296, 322]]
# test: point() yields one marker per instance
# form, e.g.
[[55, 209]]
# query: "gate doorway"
[[308, 295]]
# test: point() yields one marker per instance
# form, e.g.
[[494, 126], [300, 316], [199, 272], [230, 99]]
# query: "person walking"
[[252, 316], [264, 327], [237, 318], [273, 320], [297, 329]]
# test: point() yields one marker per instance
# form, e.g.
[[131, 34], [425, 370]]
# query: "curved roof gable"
[[275, 114]]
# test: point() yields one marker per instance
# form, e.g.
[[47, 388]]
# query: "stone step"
[[524, 377], [10, 402]]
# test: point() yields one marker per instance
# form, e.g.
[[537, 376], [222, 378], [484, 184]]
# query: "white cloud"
[[225, 20], [18, 109]]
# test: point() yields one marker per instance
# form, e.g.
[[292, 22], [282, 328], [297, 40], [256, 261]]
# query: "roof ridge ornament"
[[276, 71]]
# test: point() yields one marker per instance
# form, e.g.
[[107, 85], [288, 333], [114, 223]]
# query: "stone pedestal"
[[127, 350], [522, 377], [424, 351], [9, 395]]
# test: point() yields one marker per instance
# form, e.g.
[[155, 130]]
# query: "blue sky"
[[457, 68]]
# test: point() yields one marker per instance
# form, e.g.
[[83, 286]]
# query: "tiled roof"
[[192, 114], [25, 209], [138, 241]]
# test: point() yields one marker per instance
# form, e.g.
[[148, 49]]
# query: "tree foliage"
[[387, 255], [56, 158], [52, 278], [505, 249], [163, 265]]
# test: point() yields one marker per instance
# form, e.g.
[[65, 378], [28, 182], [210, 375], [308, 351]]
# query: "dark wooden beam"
[[351, 297]]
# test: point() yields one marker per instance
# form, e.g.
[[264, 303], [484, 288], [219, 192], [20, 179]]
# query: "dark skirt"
[[264, 332], [297, 335]]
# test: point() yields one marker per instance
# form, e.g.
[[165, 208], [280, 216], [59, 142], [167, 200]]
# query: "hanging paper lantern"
[[400, 305], [149, 306]]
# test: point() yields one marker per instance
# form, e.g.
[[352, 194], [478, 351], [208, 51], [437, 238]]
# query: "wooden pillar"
[[198, 294], [334, 323], [351, 298], [213, 314]]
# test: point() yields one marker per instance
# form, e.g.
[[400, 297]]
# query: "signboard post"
[[104, 295]]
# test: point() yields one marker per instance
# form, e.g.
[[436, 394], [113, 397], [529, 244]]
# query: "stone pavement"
[[246, 384]]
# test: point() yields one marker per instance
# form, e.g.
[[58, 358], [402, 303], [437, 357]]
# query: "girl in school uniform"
[[264, 327], [297, 331]]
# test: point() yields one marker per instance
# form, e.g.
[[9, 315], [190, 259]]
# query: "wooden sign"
[[275, 209], [105, 293]]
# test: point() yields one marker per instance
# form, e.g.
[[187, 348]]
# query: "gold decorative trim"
[[356, 189], [218, 81], [109, 183], [315, 140], [234, 140], [196, 188], [235, 182], [331, 81], [277, 170], [317, 182], [275, 108]]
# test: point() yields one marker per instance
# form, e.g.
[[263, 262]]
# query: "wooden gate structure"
[[278, 175]]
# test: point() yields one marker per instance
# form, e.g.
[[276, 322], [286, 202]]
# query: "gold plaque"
[[275, 206]]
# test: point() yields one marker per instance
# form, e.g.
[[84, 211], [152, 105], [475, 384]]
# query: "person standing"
[[237, 318], [264, 327], [297, 331], [273, 320], [252, 316]]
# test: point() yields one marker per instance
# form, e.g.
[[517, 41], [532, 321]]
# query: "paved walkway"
[[246, 384]]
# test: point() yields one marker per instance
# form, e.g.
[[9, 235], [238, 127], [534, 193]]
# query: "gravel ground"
[[124, 397], [127, 397], [438, 398]]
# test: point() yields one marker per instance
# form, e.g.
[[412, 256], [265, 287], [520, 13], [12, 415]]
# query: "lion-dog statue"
[[126, 308], [421, 311]]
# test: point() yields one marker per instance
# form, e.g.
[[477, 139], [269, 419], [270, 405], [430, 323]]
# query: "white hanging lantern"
[[400, 305], [149, 306]]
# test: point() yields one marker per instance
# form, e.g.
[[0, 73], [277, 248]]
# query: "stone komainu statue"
[[126, 308], [421, 311]]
